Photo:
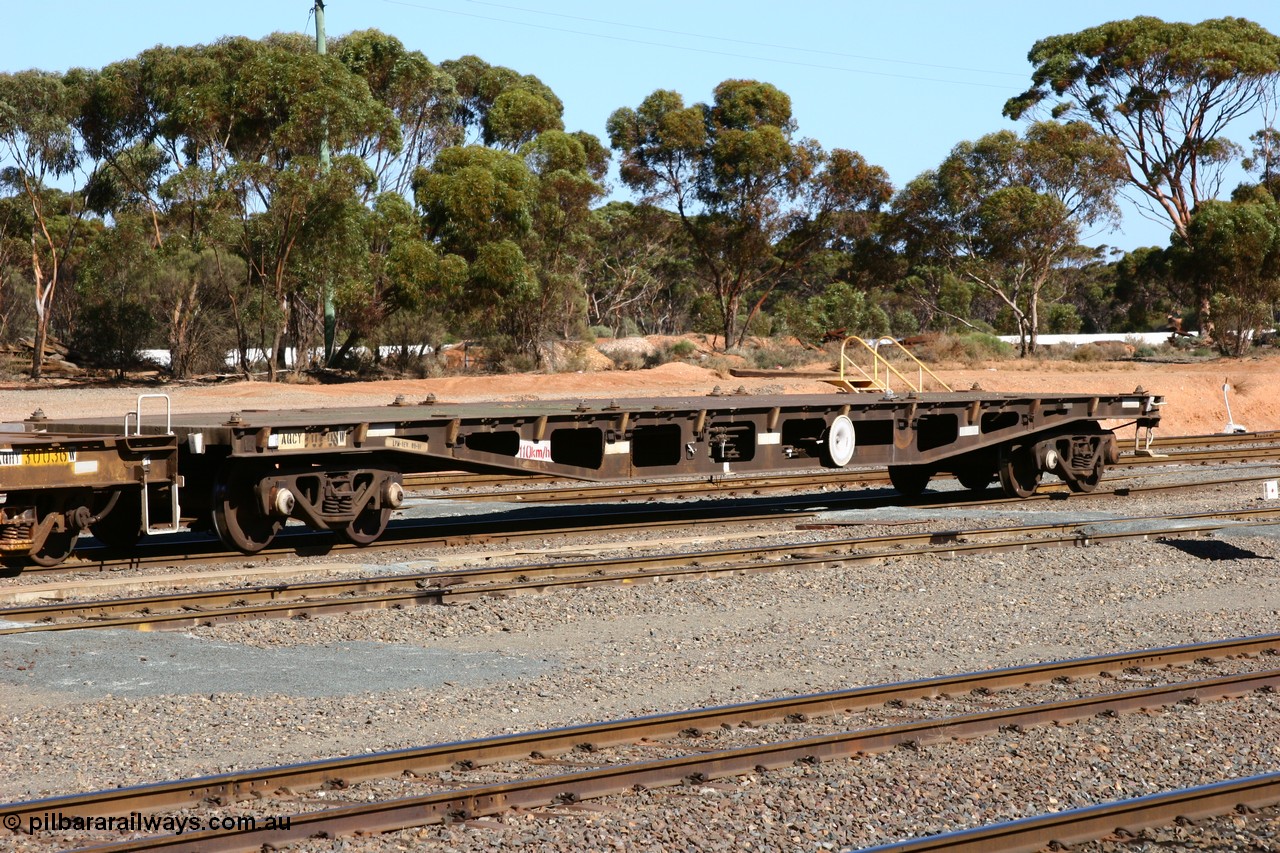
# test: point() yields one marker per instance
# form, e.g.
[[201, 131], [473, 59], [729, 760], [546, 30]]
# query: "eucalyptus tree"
[[114, 319], [1166, 92], [416, 290], [568, 169], [755, 202], [1004, 212], [38, 146], [219, 143], [1233, 253], [15, 248], [517, 223], [638, 261], [477, 205], [422, 96], [505, 108]]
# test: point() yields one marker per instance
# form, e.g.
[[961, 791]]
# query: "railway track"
[[183, 610], [599, 776], [1121, 819], [550, 490], [469, 531]]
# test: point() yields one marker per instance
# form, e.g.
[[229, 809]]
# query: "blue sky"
[[899, 82]]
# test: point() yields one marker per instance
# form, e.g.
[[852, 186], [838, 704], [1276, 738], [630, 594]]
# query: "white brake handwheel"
[[840, 441]]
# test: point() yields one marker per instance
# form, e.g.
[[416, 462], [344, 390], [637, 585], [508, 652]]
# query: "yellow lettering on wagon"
[[37, 457]]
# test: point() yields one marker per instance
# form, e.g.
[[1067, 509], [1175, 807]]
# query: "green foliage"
[[1166, 93], [111, 334], [755, 203], [509, 109], [1234, 257], [221, 227], [971, 348], [116, 286], [683, 349], [1060, 320], [1003, 215], [422, 97]]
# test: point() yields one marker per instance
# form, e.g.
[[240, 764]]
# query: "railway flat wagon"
[[56, 485], [245, 474]]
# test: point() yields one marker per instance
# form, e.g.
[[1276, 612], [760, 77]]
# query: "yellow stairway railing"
[[878, 379]]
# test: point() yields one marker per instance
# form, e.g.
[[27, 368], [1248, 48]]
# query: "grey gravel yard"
[[96, 710]]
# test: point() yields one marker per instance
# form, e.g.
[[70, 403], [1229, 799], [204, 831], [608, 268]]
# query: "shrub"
[[967, 347], [770, 357], [683, 349]]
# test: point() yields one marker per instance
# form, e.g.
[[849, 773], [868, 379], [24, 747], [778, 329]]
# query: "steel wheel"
[[910, 480], [367, 526], [1019, 473], [56, 548], [236, 516], [976, 477], [1089, 482]]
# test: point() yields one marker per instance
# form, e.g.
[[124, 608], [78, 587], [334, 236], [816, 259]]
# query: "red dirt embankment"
[[1193, 391]]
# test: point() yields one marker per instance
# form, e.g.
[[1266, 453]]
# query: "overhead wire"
[[707, 51], [773, 45]]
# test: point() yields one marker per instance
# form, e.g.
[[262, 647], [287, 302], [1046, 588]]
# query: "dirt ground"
[[1193, 391]]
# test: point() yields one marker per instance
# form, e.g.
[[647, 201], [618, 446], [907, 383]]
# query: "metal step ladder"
[[135, 418]]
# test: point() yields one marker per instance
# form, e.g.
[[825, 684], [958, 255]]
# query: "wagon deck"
[[245, 473]]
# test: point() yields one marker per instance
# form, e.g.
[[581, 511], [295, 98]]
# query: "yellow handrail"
[[878, 360]]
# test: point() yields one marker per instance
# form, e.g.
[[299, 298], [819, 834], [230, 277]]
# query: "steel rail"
[[289, 546], [187, 609], [1058, 830], [538, 492], [470, 803], [290, 600], [227, 787], [462, 479]]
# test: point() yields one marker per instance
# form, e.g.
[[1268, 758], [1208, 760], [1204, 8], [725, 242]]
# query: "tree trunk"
[[43, 301], [1206, 321], [1033, 322]]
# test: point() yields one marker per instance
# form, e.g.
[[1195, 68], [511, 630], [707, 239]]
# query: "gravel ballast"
[[283, 691]]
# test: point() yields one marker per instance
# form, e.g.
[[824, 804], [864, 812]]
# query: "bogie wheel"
[[122, 526], [910, 480], [1019, 473], [57, 547], [975, 477], [367, 526], [1088, 482], [58, 544], [237, 518]]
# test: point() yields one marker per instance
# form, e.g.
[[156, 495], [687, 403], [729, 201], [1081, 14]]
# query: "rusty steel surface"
[[471, 531], [1124, 818], [623, 439], [243, 784], [177, 611], [483, 800], [69, 460]]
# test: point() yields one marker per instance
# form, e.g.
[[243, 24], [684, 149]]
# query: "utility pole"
[[330, 314]]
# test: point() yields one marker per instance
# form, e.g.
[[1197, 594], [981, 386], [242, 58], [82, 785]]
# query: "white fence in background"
[[161, 356], [1131, 337]]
